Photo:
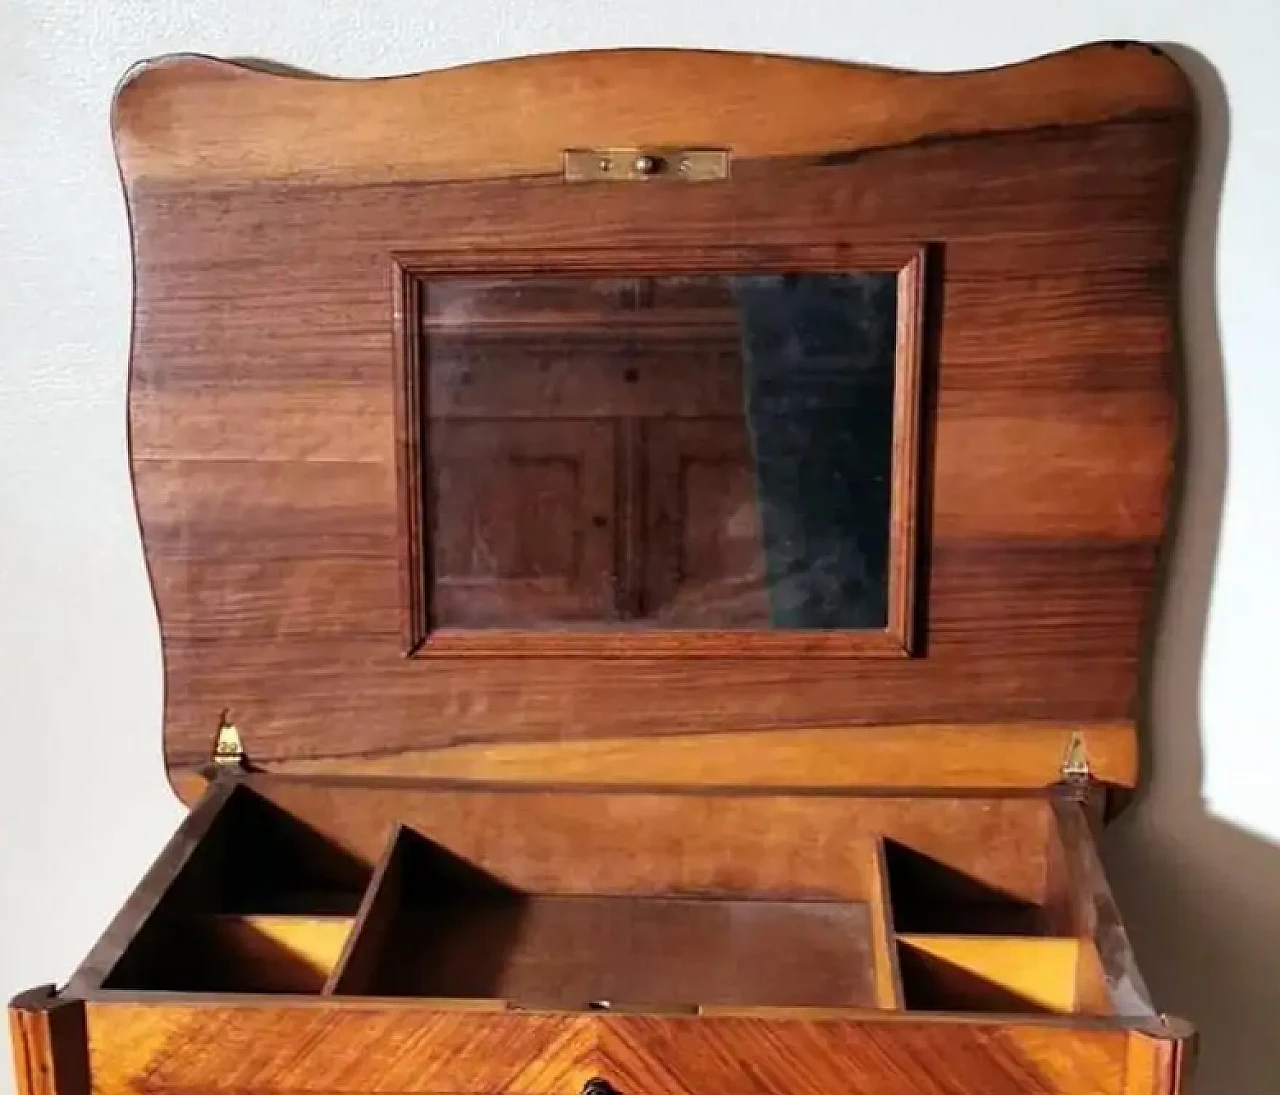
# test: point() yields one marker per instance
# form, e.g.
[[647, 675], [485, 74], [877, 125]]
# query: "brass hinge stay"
[[228, 748], [1075, 770]]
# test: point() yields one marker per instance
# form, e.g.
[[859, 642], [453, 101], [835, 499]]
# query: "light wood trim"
[[314, 941], [884, 946], [1040, 970], [185, 116], [154, 885], [942, 756]]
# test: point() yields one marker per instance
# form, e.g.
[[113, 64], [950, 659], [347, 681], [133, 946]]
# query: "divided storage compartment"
[[228, 952], [969, 944], [532, 900], [435, 927], [931, 897], [263, 903], [1010, 975]]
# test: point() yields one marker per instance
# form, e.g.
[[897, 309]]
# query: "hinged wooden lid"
[[283, 445]]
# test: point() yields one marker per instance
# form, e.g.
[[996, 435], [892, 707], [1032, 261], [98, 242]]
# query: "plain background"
[[83, 802]]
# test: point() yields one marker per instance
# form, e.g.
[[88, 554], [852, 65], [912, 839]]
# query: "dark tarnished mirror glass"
[[668, 452]]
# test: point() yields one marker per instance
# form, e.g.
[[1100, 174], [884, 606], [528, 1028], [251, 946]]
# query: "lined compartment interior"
[[571, 902]]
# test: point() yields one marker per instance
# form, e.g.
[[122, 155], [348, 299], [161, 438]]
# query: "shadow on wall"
[[1201, 897]]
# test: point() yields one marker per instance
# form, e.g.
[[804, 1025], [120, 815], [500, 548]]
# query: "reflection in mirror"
[[671, 452]]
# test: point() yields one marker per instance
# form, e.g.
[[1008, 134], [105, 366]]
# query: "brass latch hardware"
[[640, 164], [228, 748], [1075, 762]]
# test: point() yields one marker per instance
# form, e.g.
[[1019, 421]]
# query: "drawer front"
[[318, 1047]]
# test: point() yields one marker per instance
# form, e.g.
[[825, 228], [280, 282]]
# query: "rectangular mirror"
[[669, 460]]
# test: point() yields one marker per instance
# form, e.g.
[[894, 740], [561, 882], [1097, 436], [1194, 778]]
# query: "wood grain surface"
[[437, 1050], [789, 847], [887, 969], [501, 892], [50, 1043], [1077, 883], [990, 973], [920, 755], [266, 212], [505, 118]]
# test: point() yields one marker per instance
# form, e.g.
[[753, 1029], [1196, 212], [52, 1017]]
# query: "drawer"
[[174, 1048]]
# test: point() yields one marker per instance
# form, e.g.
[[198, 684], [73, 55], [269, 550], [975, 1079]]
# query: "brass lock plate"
[[645, 164]]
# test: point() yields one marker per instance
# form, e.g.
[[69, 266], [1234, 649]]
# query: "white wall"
[[83, 802]]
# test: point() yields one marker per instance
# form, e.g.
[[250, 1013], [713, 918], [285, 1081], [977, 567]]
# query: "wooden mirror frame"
[[421, 638]]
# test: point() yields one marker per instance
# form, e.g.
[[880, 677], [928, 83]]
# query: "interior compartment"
[[932, 897], [233, 953], [580, 952], [262, 903], [640, 900], [259, 858], [992, 974], [437, 927]]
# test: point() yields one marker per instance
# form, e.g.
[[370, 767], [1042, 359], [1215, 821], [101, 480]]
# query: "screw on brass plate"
[[636, 164]]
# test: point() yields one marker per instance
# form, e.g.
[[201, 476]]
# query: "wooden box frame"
[[1067, 1010], [907, 261], [911, 841]]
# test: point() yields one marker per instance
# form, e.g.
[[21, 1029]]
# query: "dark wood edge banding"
[[1090, 911]]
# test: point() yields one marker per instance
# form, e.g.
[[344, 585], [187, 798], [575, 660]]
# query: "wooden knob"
[[598, 1086]]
